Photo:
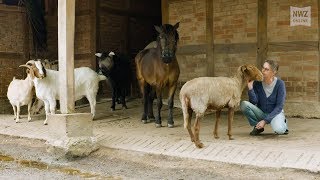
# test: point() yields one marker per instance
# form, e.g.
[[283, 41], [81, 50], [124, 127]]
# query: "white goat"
[[38, 105], [20, 93], [46, 84], [214, 93]]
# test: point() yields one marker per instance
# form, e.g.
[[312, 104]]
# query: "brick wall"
[[299, 67], [235, 38], [192, 30], [191, 15], [234, 22], [84, 41], [16, 44], [12, 50]]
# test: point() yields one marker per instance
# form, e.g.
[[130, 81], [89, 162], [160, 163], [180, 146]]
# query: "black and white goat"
[[46, 84], [117, 68]]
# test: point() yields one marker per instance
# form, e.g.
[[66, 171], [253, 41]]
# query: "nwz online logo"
[[300, 13], [300, 16]]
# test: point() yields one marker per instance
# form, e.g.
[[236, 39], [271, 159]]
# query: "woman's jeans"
[[255, 115]]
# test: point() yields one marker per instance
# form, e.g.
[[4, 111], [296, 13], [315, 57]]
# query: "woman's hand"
[[261, 124], [250, 85]]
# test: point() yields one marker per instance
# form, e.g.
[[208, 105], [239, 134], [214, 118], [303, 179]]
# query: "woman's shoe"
[[256, 131]]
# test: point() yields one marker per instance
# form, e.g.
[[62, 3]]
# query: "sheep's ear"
[[244, 68], [245, 71]]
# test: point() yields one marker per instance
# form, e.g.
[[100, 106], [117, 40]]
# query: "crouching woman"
[[266, 101]]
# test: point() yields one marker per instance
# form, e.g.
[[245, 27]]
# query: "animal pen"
[[215, 38]]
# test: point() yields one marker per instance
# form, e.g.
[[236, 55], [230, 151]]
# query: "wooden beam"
[[125, 12], [93, 24], [98, 28], [192, 49], [165, 11], [262, 40], [293, 46], [11, 55], [66, 21], [235, 48], [318, 51], [26, 43], [209, 37]]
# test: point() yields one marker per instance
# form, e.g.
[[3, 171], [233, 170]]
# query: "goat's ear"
[[31, 72]]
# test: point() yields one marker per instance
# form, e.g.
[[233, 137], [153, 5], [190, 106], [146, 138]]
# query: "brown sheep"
[[214, 93]]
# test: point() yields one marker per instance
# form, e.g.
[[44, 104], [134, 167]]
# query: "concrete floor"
[[122, 129]]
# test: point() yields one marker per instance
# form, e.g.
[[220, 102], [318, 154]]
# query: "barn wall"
[[85, 32], [192, 30], [16, 41], [296, 49], [235, 37], [13, 49], [218, 36]]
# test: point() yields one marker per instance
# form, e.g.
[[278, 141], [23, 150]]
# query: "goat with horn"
[[46, 84]]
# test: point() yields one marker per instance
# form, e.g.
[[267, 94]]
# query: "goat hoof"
[[158, 125], [170, 125], [144, 121], [231, 138], [18, 121], [112, 109], [216, 137]]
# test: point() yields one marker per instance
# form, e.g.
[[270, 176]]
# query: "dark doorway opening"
[[127, 27]]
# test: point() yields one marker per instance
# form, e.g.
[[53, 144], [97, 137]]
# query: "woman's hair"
[[273, 64]]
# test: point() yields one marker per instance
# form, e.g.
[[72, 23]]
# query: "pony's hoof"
[[216, 136], [158, 125], [144, 121], [17, 121], [199, 144], [231, 138], [170, 125], [112, 109]]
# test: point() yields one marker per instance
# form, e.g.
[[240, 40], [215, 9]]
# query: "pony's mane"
[[168, 29]]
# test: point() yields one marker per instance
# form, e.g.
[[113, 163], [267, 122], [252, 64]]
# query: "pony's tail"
[[184, 106]]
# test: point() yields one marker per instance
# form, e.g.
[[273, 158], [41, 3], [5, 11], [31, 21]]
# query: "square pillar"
[[71, 135]]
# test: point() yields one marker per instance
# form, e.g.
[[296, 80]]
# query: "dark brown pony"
[[158, 68]]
